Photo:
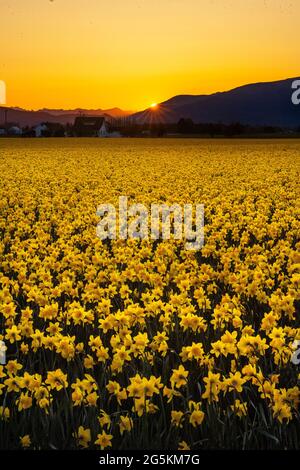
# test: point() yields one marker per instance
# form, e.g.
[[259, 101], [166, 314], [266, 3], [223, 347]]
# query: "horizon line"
[[78, 108]]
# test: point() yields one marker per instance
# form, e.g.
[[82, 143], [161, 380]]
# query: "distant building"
[[89, 126], [49, 129], [40, 130], [14, 130]]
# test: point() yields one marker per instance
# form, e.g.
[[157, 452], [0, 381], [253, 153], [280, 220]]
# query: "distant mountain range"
[[260, 104], [113, 112], [31, 118]]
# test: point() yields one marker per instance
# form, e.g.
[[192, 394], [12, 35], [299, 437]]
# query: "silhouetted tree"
[[185, 126]]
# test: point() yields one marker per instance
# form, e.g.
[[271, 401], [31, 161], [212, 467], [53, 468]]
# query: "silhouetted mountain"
[[258, 104], [32, 118], [113, 112]]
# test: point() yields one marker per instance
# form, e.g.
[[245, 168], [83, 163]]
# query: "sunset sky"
[[131, 53]]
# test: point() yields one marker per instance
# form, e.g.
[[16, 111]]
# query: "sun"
[[153, 105]]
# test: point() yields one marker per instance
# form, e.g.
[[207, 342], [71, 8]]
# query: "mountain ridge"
[[31, 118], [258, 104], [261, 103]]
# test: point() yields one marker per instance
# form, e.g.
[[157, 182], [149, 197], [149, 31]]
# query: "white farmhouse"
[[91, 126], [40, 129], [103, 131]]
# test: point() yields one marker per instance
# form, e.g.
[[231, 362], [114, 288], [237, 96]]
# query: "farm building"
[[15, 130], [40, 129], [89, 126]]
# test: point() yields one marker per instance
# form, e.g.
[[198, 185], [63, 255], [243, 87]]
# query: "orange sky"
[[131, 53]]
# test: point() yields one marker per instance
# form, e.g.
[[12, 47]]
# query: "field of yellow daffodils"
[[129, 344]]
